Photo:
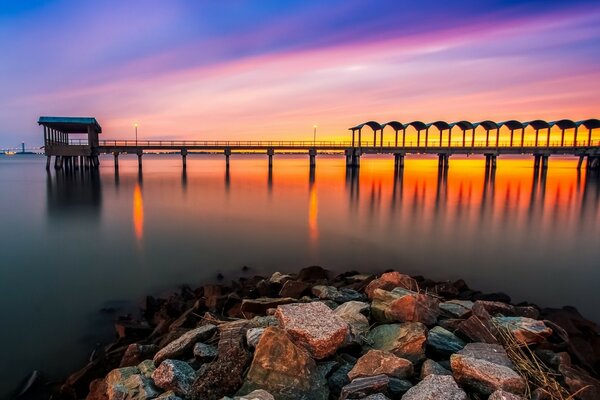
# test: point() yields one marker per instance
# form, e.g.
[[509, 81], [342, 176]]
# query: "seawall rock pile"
[[310, 336]]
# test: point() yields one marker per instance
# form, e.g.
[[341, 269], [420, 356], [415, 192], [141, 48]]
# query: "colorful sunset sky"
[[271, 69]]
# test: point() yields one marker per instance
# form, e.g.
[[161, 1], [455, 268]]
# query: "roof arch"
[[371, 124], [538, 124], [590, 123], [564, 124], [394, 124], [418, 125], [487, 125], [512, 124], [441, 125], [463, 125]]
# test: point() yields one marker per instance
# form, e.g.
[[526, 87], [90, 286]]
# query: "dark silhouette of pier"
[[75, 142]]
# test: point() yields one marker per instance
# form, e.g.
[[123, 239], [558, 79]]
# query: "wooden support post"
[[544, 162], [139, 156], [512, 134], [473, 139], [270, 153], [426, 136], [418, 138], [493, 159], [497, 138], [396, 139], [562, 137], [381, 138], [48, 160], [441, 134], [590, 138], [487, 161], [116, 155], [184, 158], [580, 162], [360, 137], [228, 153], [374, 138], [575, 137], [536, 137], [548, 139], [450, 136], [464, 137], [522, 137], [403, 137], [312, 156], [487, 138], [536, 161], [353, 137]]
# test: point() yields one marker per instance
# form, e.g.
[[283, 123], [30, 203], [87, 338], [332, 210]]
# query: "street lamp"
[[314, 135], [136, 126]]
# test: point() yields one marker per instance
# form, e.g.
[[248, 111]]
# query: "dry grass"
[[537, 375]]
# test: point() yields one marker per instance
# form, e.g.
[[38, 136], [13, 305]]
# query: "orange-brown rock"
[[525, 330], [313, 326], [404, 306], [283, 369], [389, 281], [377, 362]]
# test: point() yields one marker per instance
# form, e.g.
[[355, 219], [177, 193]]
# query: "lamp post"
[[136, 126], [314, 135]]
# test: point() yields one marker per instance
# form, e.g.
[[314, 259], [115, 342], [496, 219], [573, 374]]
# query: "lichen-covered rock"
[[253, 336], [284, 369], [390, 281], [204, 352], [401, 305], [430, 367], [146, 368], [226, 374], [314, 326], [486, 368], [184, 343], [503, 395], [377, 362], [457, 308], [362, 387], [351, 313], [405, 340], [525, 330], [436, 387], [175, 375], [444, 341]]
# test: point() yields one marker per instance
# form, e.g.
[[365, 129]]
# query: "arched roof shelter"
[[441, 125], [394, 124], [463, 125], [371, 124], [487, 125], [590, 123], [538, 124], [512, 124], [418, 125], [564, 124]]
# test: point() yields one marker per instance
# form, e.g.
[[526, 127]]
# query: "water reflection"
[[138, 212], [74, 194]]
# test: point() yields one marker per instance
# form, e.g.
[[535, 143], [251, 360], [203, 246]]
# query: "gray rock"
[[205, 352], [338, 295], [444, 341], [339, 379], [362, 387], [136, 353], [457, 308], [175, 375], [351, 312], [253, 336], [279, 279], [377, 396], [402, 305], [259, 394], [486, 368], [436, 387], [397, 387], [115, 381], [405, 340], [184, 343], [431, 367]]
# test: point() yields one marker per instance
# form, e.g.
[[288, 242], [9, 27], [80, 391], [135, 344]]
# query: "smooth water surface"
[[75, 243]]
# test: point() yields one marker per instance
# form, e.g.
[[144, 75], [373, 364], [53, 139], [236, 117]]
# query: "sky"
[[271, 69]]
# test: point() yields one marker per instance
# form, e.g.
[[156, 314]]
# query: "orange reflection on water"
[[138, 212], [313, 212]]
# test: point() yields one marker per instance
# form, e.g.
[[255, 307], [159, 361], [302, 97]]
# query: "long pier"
[[72, 152]]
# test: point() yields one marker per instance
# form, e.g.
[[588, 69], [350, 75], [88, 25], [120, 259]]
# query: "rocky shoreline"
[[354, 336]]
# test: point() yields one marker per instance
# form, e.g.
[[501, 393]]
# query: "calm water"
[[71, 245]]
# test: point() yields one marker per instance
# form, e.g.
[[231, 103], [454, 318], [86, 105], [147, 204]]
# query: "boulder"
[[284, 369], [115, 382], [502, 395], [313, 273], [146, 368], [479, 327], [362, 387], [444, 341], [261, 305], [377, 362], [390, 281], [184, 343], [351, 313], [338, 295], [457, 308], [580, 382], [397, 387], [431, 367], [436, 387], [253, 336], [403, 305], [486, 368], [279, 279], [377, 396], [204, 352], [136, 353], [97, 390], [524, 330], [405, 340], [256, 395], [339, 379], [314, 326], [226, 374], [175, 375], [170, 395], [507, 310], [294, 289]]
